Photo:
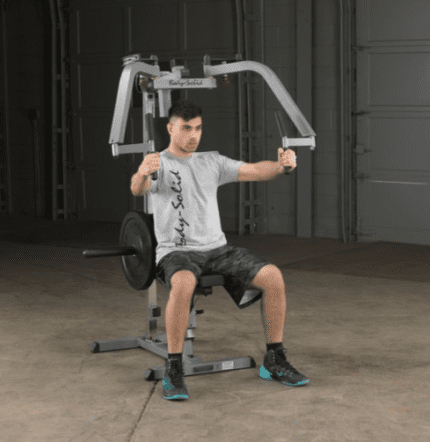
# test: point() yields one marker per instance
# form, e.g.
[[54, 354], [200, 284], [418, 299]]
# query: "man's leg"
[[273, 308], [273, 303], [177, 315], [178, 309]]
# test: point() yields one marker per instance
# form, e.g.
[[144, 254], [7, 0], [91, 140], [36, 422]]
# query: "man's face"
[[185, 135]]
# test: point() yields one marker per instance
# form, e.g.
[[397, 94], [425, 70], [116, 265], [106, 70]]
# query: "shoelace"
[[282, 366], [175, 373]]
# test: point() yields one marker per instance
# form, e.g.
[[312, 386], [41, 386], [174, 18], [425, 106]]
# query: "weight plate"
[[137, 230]]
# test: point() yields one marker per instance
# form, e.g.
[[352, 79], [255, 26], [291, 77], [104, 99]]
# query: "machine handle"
[[149, 120], [283, 133], [112, 251]]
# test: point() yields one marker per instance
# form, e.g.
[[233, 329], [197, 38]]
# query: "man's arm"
[[262, 171], [140, 184], [268, 170]]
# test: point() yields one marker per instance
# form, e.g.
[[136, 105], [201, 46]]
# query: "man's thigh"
[[178, 262], [239, 267]]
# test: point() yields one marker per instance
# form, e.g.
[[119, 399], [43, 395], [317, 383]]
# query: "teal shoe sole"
[[267, 376], [178, 397]]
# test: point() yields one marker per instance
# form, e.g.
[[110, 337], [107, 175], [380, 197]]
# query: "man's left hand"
[[287, 158]]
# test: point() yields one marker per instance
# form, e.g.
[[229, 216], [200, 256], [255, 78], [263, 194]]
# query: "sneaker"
[[173, 381], [276, 368]]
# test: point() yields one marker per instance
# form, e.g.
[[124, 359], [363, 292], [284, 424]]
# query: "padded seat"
[[205, 284], [211, 280]]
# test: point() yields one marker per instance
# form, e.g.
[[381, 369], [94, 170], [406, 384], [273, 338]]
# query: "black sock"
[[274, 346], [175, 356]]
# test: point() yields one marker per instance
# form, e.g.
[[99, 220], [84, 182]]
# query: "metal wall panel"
[[100, 29], [393, 131], [154, 27], [102, 33], [97, 40], [210, 25]]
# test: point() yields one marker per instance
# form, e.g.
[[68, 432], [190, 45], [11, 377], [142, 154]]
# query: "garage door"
[[393, 123]]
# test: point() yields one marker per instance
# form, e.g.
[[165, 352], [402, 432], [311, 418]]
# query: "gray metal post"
[[304, 102], [148, 106]]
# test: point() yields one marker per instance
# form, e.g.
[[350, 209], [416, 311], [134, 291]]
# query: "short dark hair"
[[185, 109]]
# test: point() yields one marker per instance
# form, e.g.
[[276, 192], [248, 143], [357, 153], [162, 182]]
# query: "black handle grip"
[[283, 132], [113, 251], [149, 120]]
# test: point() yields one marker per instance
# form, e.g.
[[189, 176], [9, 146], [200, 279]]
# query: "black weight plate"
[[137, 230]]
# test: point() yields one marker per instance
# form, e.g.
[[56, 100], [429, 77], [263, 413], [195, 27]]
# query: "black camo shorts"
[[238, 265]]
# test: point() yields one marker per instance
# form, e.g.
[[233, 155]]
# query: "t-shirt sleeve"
[[229, 169]]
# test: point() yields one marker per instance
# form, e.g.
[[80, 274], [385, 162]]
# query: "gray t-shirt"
[[184, 201]]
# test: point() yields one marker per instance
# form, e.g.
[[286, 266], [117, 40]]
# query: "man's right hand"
[[150, 165]]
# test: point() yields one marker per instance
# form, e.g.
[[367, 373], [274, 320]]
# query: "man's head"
[[185, 128]]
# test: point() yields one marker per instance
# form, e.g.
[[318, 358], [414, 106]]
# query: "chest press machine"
[[137, 242]]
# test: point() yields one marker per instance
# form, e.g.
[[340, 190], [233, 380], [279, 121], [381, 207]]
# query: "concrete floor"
[[357, 325]]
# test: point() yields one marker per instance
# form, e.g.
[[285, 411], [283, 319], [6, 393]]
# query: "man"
[[190, 241]]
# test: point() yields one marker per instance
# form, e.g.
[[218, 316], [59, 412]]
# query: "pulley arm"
[[277, 88], [150, 80]]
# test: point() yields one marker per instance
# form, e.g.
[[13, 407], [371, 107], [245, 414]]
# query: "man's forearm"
[[139, 184], [269, 170]]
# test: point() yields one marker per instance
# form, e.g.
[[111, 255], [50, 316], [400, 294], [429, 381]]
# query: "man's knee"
[[184, 282], [268, 277]]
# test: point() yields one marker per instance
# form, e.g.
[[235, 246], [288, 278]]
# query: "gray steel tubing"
[[274, 83]]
